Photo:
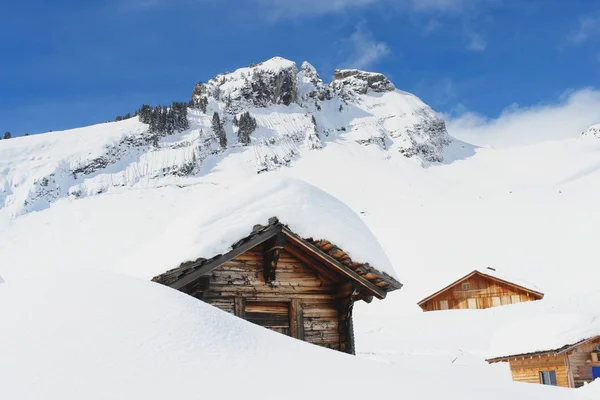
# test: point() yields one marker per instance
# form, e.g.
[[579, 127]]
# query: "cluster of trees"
[[8, 135], [246, 124], [165, 120], [123, 117], [200, 103]]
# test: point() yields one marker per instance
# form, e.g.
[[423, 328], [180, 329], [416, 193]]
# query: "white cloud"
[[567, 118], [588, 27], [476, 42], [364, 51], [431, 26], [287, 9]]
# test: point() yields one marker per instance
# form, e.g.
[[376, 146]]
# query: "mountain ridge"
[[293, 111]]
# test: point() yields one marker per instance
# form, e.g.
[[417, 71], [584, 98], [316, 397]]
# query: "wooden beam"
[[273, 248], [240, 307], [296, 319], [337, 266], [318, 265], [209, 266]]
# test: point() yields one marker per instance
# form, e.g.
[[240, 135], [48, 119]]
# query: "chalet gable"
[[331, 261], [470, 291]]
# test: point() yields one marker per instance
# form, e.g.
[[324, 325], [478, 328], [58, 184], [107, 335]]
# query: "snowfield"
[[97, 335], [88, 216]]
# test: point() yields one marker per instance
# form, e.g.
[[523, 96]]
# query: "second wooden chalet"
[[570, 365], [298, 286], [478, 290]]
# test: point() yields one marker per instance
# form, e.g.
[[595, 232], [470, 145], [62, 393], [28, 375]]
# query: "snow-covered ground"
[[530, 211], [96, 335]]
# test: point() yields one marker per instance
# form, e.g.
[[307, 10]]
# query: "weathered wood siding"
[[301, 302], [528, 369], [580, 362], [483, 293]]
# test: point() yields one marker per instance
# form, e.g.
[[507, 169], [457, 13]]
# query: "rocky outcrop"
[[260, 85], [359, 82], [592, 131]]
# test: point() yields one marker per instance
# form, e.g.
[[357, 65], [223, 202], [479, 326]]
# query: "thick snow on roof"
[[545, 332], [215, 226], [511, 278], [74, 335]]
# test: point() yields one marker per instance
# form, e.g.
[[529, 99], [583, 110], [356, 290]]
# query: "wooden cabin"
[[296, 286], [478, 290], [570, 366]]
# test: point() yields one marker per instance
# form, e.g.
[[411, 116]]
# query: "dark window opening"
[[548, 378]]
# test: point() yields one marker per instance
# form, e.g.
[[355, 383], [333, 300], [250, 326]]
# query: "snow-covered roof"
[[214, 227], [493, 273], [510, 278], [546, 333]]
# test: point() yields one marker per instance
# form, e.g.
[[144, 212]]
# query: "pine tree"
[[246, 125], [7, 135], [219, 130]]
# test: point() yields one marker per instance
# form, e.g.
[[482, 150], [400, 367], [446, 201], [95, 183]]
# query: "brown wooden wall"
[[580, 362], [482, 291], [528, 369], [317, 306]]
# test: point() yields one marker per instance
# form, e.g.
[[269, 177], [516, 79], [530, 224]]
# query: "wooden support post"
[[240, 307], [272, 251], [296, 319]]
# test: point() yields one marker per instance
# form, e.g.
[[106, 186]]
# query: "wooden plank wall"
[[580, 362], [528, 369], [315, 313], [482, 290]]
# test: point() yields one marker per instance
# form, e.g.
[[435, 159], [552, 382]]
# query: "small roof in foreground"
[[492, 274]]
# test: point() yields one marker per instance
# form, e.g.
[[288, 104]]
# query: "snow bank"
[[216, 225], [546, 332], [590, 391], [74, 335]]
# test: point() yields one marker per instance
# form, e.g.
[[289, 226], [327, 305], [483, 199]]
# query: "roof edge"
[[556, 352]]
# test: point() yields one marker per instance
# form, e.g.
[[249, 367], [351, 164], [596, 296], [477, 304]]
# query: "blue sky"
[[70, 63]]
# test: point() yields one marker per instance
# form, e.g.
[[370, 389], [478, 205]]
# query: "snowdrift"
[[95, 335]]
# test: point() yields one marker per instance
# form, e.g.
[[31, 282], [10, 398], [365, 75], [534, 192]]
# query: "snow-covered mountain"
[[294, 110]]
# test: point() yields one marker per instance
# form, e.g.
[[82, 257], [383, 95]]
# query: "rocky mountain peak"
[[592, 131], [360, 81], [259, 85]]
